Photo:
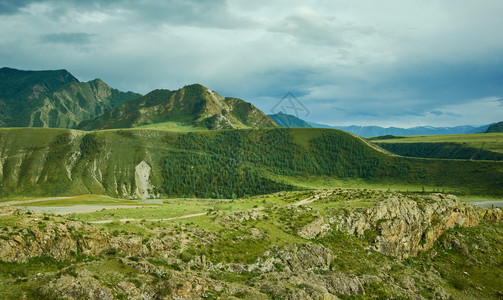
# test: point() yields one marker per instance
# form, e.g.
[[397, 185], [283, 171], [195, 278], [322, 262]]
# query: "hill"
[[285, 120], [193, 105], [228, 163], [53, 99], [498, 127], [487, 146]]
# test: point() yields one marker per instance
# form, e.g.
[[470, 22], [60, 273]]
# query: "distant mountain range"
[[285, 120]]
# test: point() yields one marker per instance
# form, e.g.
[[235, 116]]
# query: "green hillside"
[[53, 99], [227, 163], [285, 120], [193, 105], [462, 146], [498, 127]]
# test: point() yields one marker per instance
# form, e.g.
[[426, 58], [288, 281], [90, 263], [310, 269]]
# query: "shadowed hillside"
[[53, 99]]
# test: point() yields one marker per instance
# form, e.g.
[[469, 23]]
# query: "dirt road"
[[301, 202]]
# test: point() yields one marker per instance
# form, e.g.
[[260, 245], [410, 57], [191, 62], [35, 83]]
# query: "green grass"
[[158, 212], [81, 200], [486, 141], [19, 278], [466, 277], [170, 126]]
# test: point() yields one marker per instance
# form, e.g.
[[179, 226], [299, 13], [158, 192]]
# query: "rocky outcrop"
[[142, 180], [81, 285], [403, 227], [64, 239], [243, 216], [216, 122], [50, 239], [316, 228]]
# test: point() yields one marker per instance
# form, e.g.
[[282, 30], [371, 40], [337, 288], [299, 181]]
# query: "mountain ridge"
[[193, 105], [53, 98], [286, 120]]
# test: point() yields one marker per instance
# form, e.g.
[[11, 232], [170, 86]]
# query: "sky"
[[386, 63]]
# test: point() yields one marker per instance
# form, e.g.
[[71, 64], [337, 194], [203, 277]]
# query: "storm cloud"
[[390, 63]]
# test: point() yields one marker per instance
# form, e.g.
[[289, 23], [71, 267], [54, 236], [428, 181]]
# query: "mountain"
[[285, 120], [53, 99], [19, 90], [498, 127], [72, 104], [193, 105]]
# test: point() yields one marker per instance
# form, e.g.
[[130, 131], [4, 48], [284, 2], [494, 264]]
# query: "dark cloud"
[[8, 7], [79, 38], [199, 13]]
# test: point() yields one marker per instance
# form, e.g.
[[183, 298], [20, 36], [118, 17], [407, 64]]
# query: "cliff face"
[[404, 227], [55, 162]]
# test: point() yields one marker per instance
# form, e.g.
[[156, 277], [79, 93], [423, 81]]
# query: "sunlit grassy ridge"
[[484, 146]]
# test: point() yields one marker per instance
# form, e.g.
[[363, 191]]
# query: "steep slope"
[[498, 127], [72, 104], [285, 120], [193, 105], [53, 99], [19, 90], [228, 163]]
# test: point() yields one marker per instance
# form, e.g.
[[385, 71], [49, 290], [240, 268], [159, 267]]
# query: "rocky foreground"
[[346, 243]]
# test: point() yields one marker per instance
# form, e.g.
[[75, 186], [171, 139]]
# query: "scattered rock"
[[83, 286]]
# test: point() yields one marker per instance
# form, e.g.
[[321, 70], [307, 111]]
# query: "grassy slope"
[[487, 141], [498, 127], [224, 162]]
